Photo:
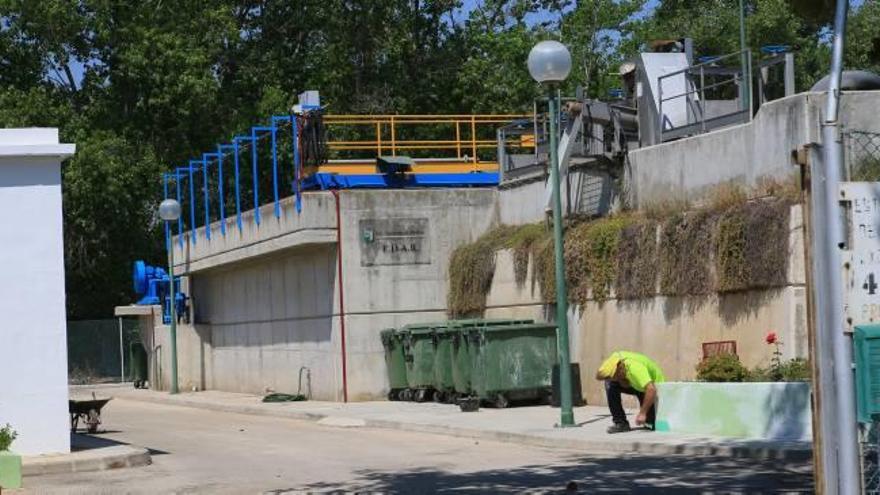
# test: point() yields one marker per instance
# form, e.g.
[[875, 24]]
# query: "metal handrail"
[[699, 107]]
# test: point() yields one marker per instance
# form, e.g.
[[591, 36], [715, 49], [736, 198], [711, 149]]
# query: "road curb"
[[741, 449], [98, 459]]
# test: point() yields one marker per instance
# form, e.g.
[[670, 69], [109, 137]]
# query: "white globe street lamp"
[[549, 64], [169, 211]]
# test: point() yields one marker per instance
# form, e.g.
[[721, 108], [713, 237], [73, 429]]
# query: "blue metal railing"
[[210, 165]]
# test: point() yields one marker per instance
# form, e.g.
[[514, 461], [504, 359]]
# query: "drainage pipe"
[[335, 194]]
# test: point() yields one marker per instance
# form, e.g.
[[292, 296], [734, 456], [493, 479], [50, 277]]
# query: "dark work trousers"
[[612, 393]]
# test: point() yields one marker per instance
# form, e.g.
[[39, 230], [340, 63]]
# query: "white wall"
[[33, 338]]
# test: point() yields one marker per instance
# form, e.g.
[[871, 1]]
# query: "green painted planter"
[[10, 470], [768, 410]]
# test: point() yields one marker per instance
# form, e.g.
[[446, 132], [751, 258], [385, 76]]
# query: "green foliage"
[[686, 242], [472, 266], [752, 246], [637, 261], [7, 436], [144, 86], [471, 269], [524, 242], [793, 370], [722, 368], [591, 258]]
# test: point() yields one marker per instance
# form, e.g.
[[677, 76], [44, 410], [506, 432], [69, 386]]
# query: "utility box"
[[866, 341]]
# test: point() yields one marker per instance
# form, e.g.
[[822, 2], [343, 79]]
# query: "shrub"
[[796, 370], [722, 368], [7, 436], [591, 258]]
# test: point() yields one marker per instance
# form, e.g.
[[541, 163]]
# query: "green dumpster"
[[461, 357], [418, 346], [137, 356], [512, 362], [444, 386], [395, 363]]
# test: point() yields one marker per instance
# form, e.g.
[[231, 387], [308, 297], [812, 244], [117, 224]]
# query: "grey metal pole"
[[121, 354], [173, 303], [829, 299], [565, 402]]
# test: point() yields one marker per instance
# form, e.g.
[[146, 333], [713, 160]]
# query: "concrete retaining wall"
[[767, 411], [689, 169], [262, 316], [669, 330]]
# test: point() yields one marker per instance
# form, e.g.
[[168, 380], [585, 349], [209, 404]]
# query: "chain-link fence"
[[862, 164], [862, 150], [94, 353]]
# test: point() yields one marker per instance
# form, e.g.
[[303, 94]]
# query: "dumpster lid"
[[515, 327], [485, 322]]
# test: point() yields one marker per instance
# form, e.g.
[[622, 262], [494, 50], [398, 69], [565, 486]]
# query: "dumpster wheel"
[[501, 401], [421, 395]]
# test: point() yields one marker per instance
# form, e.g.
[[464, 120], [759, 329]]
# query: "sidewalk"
[[523, 425]]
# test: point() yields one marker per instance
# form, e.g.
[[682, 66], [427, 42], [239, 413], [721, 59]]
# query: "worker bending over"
[[630, 373]]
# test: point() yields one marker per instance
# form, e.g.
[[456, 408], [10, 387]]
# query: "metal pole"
[[566, 413], [173, 303], [829, 296], [746, 81], [121, 354]]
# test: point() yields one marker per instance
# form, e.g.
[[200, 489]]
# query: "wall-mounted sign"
[[861, 261], [395, 241]]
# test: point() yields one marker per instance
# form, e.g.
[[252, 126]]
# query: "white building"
[[33, 336]]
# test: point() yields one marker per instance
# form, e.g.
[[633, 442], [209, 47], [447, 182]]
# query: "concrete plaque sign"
[[395, 241], [861, 262]]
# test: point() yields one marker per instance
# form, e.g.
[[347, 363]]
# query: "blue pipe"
[[207, 198], [220, 148], [296, 173], [192, 203], [256, 176], [237, 191]]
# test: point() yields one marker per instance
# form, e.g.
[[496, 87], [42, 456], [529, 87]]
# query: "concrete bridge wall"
[[266, 302]]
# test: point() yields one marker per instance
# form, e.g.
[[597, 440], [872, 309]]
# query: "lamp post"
[[169, 211], [549, 64]]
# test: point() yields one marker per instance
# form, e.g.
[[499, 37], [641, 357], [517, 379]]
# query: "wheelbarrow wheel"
[[93, 421]]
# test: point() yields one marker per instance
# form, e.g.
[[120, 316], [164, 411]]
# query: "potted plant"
[[10, 464]]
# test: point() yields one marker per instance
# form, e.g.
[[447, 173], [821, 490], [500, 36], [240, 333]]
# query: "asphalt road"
[[197, 451]]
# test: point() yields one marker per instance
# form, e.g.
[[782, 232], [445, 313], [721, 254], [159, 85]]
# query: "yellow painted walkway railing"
[[437, 143]]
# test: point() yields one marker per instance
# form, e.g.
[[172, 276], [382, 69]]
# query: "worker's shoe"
[[618, 428]]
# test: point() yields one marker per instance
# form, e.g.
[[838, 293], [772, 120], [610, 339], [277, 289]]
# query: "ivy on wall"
[[637, 261], [729, 247]]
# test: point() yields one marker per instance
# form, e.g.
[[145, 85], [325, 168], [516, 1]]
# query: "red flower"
[[770, 338]]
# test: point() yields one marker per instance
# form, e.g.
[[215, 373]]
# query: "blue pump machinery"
[[151, 284]]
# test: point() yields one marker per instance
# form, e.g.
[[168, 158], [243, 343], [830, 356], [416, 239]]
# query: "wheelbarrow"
[[87, 410]]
